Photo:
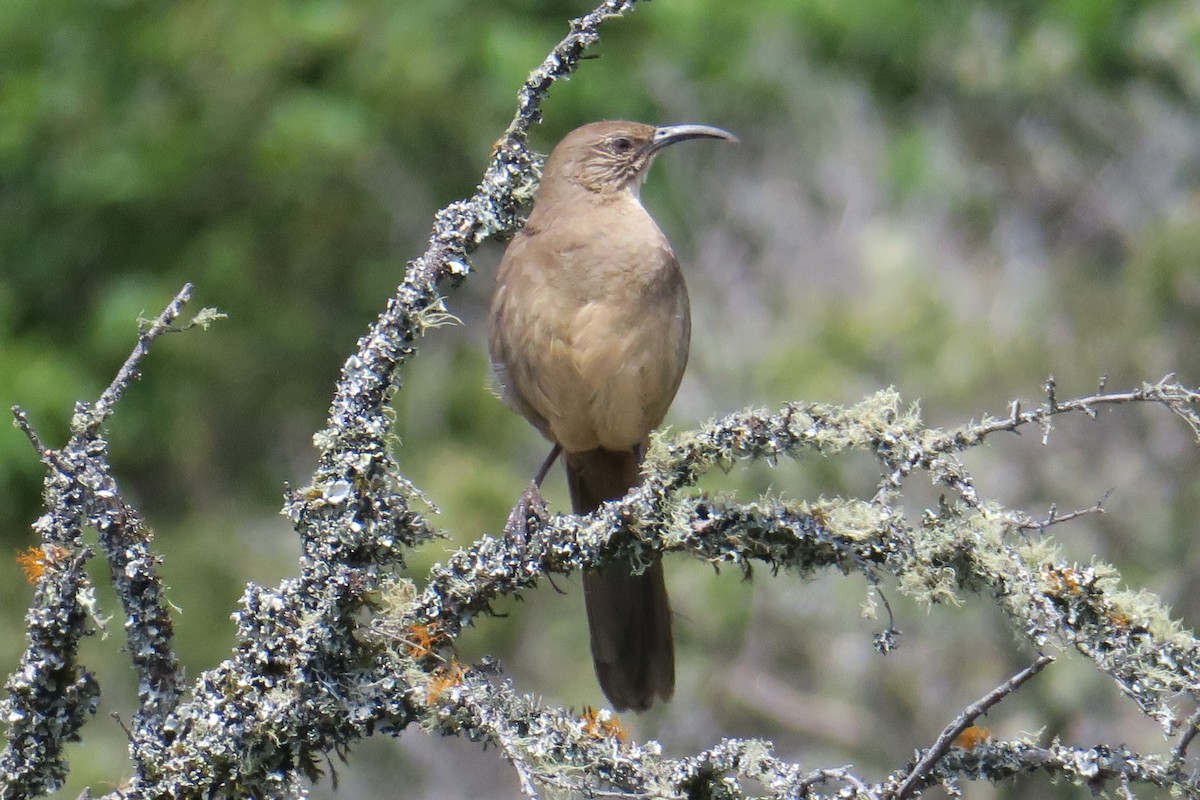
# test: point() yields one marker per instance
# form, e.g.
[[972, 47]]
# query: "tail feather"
[[629, 616]]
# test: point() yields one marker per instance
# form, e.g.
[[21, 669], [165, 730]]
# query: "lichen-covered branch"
[[973, 546], [51, 695], [589, 755]]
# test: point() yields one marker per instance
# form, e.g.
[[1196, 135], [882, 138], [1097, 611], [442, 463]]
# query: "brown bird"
[[588, 334]]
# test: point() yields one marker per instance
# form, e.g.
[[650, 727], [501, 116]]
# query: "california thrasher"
[[588, 336]]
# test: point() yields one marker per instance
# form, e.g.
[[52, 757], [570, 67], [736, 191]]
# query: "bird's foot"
[[528, 513]]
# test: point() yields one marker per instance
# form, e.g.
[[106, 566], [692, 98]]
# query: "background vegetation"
[[957, 198]]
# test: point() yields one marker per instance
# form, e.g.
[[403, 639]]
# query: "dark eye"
[[621, 144]]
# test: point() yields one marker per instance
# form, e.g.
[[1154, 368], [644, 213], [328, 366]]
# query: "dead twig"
[[963, 721]]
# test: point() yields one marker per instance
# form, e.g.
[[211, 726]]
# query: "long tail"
[[629, 615]]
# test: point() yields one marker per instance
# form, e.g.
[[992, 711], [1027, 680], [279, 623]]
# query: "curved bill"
[[672, 134]]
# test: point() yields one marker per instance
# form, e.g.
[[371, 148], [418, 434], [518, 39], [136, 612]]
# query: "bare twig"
[[963, 721], [103, 407], [1054, 518], [1192, 728], [1180, 400], [21, 421], [885, 640]]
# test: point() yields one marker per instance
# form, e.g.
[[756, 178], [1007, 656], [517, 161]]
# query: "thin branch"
[[1192, 728], [963, 721], [128, 373], [1054, 518], [21, 421], [1180, 400], [843, 774]]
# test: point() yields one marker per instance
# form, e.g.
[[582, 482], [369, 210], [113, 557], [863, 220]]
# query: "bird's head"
[[614, 156]]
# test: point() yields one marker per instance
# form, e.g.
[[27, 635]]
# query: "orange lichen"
[[422, 640], [34, 561], [1062, 581], [1118, 618], [443, 679], [972, 737], [603, 725]]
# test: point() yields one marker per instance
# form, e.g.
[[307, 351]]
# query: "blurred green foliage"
[[957, 198]]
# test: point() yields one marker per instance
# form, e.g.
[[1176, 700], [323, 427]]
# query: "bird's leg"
[[540, 475], [533, 494], [531, 503]]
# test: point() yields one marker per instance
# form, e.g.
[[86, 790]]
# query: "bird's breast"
[[591, 327]]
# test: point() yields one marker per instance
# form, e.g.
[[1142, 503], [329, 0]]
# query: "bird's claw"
[[529, 512]]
